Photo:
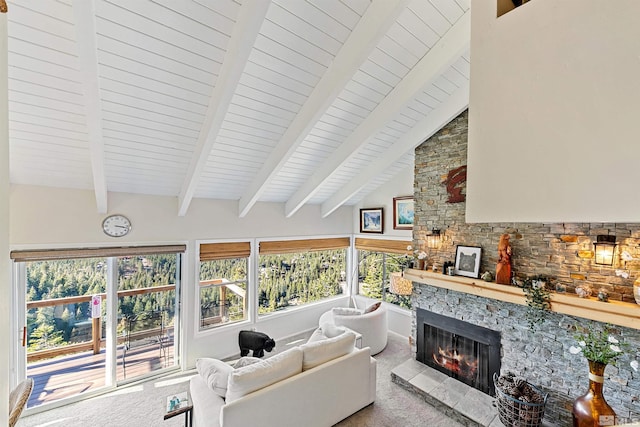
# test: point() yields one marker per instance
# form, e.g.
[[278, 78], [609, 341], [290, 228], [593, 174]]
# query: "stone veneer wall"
[[557, 250]]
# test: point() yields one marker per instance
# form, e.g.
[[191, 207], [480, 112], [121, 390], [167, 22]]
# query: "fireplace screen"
[[461, 350], [456, 354]]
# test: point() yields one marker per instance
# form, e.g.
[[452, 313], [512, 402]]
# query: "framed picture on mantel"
[[467, 261]]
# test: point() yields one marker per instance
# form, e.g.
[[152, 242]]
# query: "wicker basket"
[[517, 413]]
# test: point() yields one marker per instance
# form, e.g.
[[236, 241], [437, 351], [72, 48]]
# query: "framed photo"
[[371, 220], [403, 213], [467, 261], [177, 401]]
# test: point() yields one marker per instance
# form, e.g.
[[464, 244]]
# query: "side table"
[[180, 404]]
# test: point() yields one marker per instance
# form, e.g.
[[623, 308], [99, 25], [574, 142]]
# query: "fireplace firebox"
[[459, 349]]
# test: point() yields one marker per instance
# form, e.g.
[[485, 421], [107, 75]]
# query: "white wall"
[[57, 217], [49, 218], [5, 265], [553, 112], [401, 185]]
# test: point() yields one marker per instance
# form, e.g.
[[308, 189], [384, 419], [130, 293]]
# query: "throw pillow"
[[264, 373], [318, 352], [372, 307], [331, 331], [246, 361], [346, 311], [317, 335], [215, 374]]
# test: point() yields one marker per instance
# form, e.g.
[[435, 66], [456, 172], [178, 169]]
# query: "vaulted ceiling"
[[289, 101]]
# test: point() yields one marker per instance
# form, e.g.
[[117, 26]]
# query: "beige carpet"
[[142, 405], [395, 406]]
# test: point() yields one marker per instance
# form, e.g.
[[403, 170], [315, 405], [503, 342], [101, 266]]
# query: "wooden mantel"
[[614, 312]]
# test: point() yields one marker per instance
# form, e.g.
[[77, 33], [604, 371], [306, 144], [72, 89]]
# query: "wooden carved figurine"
[[503, 269]]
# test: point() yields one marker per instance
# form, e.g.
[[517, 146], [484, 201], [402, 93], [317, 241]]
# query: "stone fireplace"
[[542, 357], [461, 350], [558, 250]]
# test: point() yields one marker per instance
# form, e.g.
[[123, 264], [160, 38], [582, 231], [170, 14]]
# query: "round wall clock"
[[116, 225]]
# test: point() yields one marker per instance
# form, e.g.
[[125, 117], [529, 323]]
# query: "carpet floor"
[[142, 405]]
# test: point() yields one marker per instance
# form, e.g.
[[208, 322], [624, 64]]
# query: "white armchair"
[[372, 325]]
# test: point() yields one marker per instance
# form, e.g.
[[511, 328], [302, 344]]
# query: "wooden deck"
[[67, 376]]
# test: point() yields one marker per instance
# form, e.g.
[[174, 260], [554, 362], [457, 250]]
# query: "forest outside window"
[[70, 317], [223, 283], [52, 326], [60, 283], [377, 260], [297, 272]]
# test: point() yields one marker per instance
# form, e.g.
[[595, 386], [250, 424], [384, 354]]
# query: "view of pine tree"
[[212, 307], [284, 280], [372, 267], [147, 272], [299, 278], [374, 275], [63, 324], [295, 279], [44, 335]]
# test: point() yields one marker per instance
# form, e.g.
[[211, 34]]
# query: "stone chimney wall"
[[562, 251]]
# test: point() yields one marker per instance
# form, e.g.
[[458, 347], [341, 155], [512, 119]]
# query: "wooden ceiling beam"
[[85, 25], [423, 130], [444, 53], [373, 25], [250, 17]]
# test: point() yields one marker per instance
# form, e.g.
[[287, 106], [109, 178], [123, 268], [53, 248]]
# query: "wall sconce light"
[[434, 239], [605, 247]]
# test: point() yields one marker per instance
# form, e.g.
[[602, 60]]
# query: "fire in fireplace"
[[458, 364], [464, 351]]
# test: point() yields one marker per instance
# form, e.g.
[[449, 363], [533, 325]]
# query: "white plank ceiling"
[[288, 101]]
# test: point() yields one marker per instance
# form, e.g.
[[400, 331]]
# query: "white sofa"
[[319, 396], [371, 325]]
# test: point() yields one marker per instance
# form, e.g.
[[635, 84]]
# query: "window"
[[71, 318], [223, 283], [377, 260], [146, 310], [296, 272], [55, 316]]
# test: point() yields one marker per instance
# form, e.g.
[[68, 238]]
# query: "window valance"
[[306, 245], [226, 250], [60, 254], [380, 245]]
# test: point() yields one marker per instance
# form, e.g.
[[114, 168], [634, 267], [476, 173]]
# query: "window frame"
[[395, 246], [252, 282], [293, 239], [25, 254], [250, 294]]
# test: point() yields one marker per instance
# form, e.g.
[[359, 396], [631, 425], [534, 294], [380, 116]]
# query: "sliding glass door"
[[91, 322], [146, 314], [62, 342]]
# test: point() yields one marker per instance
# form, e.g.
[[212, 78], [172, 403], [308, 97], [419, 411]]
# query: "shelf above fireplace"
[[614, 312]]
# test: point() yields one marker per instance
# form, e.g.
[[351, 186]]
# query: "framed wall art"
[[403, 213], [371, 220], [467, 261]]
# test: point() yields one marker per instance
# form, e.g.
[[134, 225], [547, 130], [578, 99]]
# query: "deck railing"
[[96, 329], [224, 304]]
